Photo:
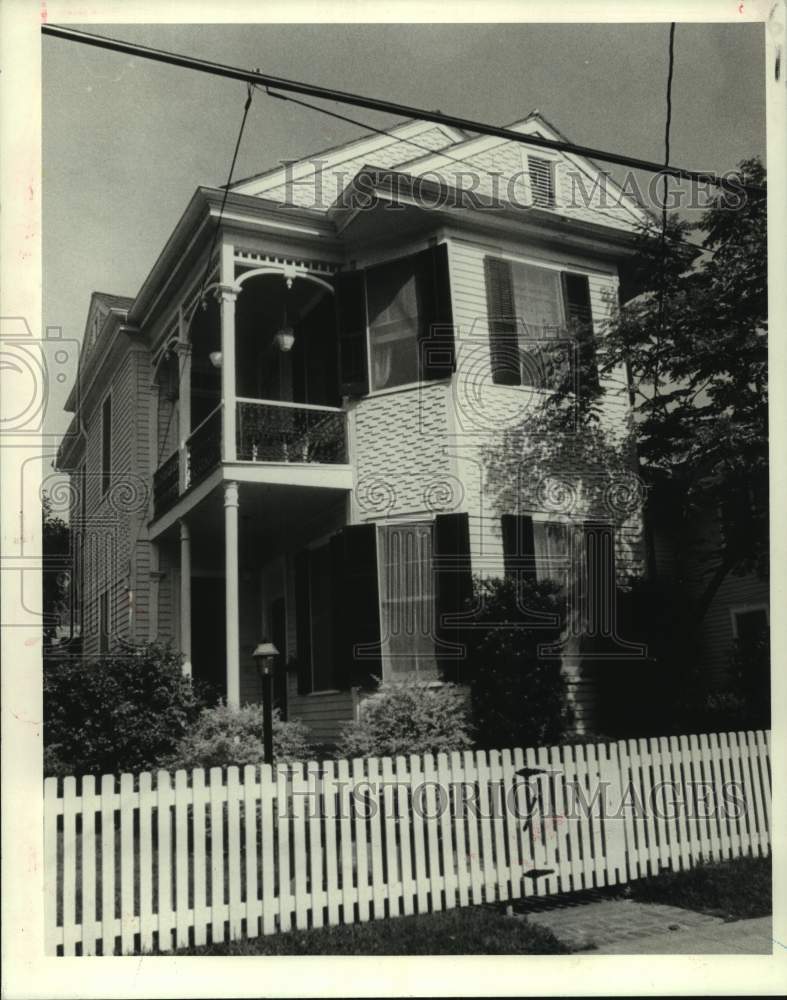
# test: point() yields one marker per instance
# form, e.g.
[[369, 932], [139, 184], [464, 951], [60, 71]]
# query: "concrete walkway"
[[626, 927], [738, 937]]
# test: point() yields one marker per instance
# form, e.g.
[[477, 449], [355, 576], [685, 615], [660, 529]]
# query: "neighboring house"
[[306, 454]]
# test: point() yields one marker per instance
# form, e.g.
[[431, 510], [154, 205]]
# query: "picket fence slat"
[[107, 865], [138, 866], [403, 829]]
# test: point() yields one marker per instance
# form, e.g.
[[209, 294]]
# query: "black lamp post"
[[263, 656]]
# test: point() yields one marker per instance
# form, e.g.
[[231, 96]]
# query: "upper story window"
[[542, 181], [395, 303], [539, 319], [106, 445], [395, 323]]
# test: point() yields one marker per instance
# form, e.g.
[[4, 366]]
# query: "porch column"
[[185, 597], [184, 410], [227, 297], [231, 593]]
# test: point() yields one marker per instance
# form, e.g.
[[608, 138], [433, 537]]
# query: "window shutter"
[[356, 606], [519, 550], [576, 293], [351, 327], [501, 314], [454, 588], [303, 622], [437, 351]]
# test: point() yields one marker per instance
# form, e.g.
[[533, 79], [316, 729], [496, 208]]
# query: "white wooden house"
[[304, 455]]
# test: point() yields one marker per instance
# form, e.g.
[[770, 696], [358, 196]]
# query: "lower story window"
[[407, 601], [321, 607]]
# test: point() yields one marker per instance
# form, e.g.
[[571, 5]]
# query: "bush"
[[121, 713], [221, 737], [408, 717], [519, 698]]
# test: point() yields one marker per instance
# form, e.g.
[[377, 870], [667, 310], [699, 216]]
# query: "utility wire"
[[374, 104]]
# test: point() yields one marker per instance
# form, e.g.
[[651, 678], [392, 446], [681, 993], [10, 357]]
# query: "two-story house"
[[296, 438]]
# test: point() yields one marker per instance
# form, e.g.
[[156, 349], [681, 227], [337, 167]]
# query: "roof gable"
[[315, 181], [499, 167]]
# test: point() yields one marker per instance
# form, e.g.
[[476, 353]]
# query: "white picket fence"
[[143, 864]]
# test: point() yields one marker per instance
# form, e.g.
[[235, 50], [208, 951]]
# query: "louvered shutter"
[[579, 315], [451, 560], [303, 622], [437, 350], [501, 315], [599, 585], [519, 551], [351, 327], [356, 607]]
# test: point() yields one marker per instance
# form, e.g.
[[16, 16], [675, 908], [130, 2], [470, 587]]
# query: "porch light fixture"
[[263, 656], [215, 358], [284, 338]]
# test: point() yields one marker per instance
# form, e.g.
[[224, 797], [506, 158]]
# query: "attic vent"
[[542, 181]]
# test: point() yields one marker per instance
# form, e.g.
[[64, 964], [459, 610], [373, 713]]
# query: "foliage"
[[734, 890], [55, 546], [695, 345], [221, 737], [469, 930], [121, 713], [408, 717], [751, 670], [519, 693]]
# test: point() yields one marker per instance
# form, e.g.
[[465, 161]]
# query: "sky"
[[126, 141]]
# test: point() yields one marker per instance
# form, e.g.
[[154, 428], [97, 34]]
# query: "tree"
[[55, 582], [695, 343]]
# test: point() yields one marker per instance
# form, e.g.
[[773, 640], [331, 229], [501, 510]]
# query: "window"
[[540, 324], [104, 624], [407, 600], [395, 309], [106, 445], [750, 624], [542, 181]]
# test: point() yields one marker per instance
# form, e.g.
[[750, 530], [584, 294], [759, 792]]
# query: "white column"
[[227, 297], [185, 597], [231, 591]]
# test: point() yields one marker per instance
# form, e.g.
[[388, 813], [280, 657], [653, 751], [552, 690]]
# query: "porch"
[[250, 380]]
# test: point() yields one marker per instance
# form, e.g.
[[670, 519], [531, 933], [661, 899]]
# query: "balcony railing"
[[203, 448], [290, 432], [166, 484], [266, 431]]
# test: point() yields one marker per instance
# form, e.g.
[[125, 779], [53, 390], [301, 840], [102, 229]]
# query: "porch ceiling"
[[272, 519]]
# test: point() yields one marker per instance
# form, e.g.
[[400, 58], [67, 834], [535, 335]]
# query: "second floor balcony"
[[267, 433]]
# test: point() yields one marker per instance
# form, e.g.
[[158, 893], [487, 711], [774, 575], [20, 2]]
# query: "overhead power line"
[[387, 107]]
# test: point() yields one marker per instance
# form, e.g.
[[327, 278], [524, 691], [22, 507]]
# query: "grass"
[[733, 890], [475, 930]]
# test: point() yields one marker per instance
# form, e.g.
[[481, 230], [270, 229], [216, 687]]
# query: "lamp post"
[[263, 657]]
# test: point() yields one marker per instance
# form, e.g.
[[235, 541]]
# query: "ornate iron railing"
[[203, 447], [166, 481], [290, 432]]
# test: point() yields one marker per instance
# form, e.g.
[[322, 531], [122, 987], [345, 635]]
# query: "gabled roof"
[[114, 301]]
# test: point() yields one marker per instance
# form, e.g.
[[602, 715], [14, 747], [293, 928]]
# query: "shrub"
[[408, 717], [123, 712], [222, 736], [519, 697]]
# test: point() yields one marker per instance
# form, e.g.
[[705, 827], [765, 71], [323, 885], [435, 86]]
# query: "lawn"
[[472, 930], [733, 890]]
